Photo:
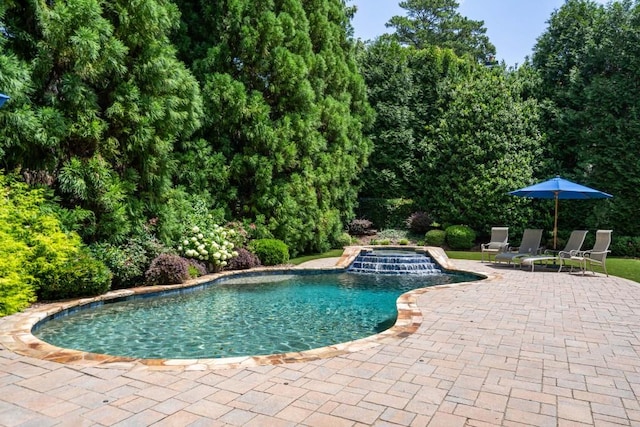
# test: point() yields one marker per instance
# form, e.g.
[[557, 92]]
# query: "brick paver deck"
[[522, 348]]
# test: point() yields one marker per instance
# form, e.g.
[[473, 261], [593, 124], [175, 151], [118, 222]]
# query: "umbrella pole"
[[555, 225]]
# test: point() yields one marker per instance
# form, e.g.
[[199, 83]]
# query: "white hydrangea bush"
[[212, 246]]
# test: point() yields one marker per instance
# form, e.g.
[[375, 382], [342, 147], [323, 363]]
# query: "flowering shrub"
[[213, 247]]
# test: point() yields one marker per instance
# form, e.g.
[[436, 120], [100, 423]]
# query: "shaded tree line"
[[139, 113], [454, 133]]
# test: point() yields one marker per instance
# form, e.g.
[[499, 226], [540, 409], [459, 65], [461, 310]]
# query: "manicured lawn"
[[627, 268], [332, 253], [624, 267]]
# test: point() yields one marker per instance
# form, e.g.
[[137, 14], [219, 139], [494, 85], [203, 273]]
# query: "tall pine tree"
[[114, 99], [438, 23], [285, 105]]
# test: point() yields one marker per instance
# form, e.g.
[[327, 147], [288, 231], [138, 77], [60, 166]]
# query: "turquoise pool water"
[[242, 316]]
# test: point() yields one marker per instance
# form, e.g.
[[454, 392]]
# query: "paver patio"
[[521, 348]]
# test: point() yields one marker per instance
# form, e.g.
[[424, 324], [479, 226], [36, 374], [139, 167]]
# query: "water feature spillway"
[[394, 262]]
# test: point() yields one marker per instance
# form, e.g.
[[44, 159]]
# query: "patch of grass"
[[330, 254], [627, 268], [475, 256]]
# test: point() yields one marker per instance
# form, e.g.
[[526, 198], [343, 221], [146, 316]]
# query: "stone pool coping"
[[16, 336]]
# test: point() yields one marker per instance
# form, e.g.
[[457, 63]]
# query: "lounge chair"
[[530, 245], [498, 243], [573, 244], [595, 256]]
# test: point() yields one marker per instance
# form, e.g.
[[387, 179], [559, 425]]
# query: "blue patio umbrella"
[[558, 188], [3, 99]]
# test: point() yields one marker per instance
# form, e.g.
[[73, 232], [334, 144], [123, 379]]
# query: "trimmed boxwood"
[[435, 237], [270, 251], [460, 237]]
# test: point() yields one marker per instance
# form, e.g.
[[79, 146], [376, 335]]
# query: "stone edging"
[[16, 336]]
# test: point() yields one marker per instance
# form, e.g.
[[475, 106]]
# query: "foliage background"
[[135, 121]]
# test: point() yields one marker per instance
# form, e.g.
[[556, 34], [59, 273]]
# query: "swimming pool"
[[239, 316]]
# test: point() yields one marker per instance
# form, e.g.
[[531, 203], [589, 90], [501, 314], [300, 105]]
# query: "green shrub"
[[403, 242], [328, 227], [625, 246], [167, 269], [127, 262], [80, 275], [270, 251], [434, 237], [16, 283], [37, 257], [384, 242], [19, 208], [342, 240], [460, 237]]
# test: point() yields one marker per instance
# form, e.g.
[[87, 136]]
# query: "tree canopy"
[[140, 115], [134, 111], [286, 106], [110, 100], [438, 23], [588, 62]]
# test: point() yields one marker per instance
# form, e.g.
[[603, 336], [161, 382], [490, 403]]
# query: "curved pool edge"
[[16, 330]]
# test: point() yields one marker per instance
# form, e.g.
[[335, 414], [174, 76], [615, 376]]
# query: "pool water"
[[245, 316]]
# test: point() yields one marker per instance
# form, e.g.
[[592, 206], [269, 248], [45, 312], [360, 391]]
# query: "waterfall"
[[394, 262]]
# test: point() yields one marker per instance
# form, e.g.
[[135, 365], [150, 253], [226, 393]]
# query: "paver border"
[[16, 335]]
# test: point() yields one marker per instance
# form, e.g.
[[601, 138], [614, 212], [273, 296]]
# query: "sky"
[[512, 25]]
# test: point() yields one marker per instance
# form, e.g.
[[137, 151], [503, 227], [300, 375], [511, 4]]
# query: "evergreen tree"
[[284, 105], [345, 113], [438, 23], [589, 60], [485, 143], [404, 87], [113, 99], [391, 90], [20, 124]]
